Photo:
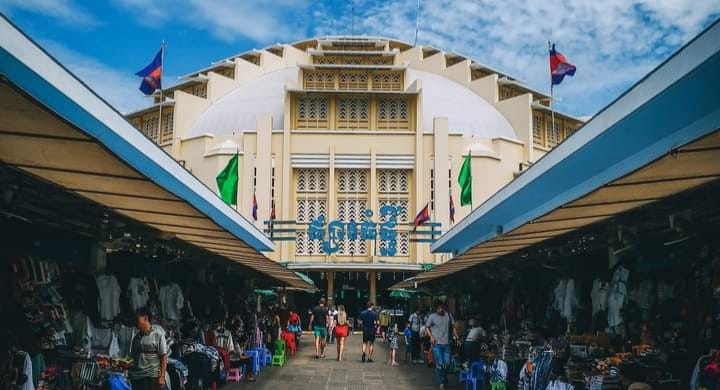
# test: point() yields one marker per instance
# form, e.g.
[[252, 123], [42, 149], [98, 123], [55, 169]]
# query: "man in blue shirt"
[[369, 319]]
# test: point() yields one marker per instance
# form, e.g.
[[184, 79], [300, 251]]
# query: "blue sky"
[[613, 42]]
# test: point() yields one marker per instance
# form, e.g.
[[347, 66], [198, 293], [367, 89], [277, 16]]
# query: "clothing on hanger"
[[109, 302]]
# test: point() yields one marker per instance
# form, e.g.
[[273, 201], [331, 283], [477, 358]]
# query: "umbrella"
[[267, 293], [401, 294]]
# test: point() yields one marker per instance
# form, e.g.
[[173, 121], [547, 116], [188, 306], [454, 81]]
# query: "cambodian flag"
[[559, 66], [152, 75], [254, 208], [422, 217]]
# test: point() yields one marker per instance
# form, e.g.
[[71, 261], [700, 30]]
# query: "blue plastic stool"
[[268, 356], [255, 354], [474, 376]]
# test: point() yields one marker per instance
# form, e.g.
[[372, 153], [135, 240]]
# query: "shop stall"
[[599, 266], [99, 223]]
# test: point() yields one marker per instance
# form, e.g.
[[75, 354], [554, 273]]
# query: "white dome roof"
[[238, 111], [240, 108], [467, 112]]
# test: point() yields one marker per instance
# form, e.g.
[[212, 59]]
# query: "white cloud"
[[612, 42], [227, 20], [118, 87], [65, 11]]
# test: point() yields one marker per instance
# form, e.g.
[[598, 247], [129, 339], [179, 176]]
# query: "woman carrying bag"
[[342, 329]]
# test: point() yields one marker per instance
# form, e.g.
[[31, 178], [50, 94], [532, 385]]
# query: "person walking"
[[369, 319], [318, 325], [342, 330], [440, 327], [415, 321], [149, 351], [332, 314], [393, 345]]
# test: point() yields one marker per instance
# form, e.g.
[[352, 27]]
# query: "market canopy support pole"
[[372, 295], [331, 288]]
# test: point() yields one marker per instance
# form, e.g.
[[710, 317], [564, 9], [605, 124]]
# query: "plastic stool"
[[267, 356], [255, 354], [234, 374], [278, 360]]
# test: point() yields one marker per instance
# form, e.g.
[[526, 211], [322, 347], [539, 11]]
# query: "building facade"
[[333, 129]]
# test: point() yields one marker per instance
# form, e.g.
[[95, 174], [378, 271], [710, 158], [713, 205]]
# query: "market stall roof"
[[659, 138], [54, 127]]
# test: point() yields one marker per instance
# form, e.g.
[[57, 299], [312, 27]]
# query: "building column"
[[372, 295], [331, 288]]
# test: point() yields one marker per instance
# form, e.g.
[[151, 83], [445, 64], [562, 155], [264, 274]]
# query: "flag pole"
[[552, 97], [417, 22], [162, 70]]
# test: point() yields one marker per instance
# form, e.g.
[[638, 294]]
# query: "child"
[[392, 336], [407, 335]]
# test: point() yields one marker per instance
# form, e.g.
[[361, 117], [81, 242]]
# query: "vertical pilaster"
[[373, 205], [331, 288], [264, 167], [441, 166], [372, 295]]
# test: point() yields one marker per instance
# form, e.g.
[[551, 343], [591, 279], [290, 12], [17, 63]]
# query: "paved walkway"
[[305, 372]]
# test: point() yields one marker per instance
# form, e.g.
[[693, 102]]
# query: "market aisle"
[[304, 372]]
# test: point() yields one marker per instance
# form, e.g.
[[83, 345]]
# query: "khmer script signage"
[[334, 231]]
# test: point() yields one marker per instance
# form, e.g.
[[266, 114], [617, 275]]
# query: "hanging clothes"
[[138, 292], [171, 301], [599, 295], [109, 302], [618, 296], [83, 330]]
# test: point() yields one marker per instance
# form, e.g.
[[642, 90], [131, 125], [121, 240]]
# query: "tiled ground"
[[304, 372]]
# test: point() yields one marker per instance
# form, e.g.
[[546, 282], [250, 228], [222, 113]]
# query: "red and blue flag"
[[254, 208], [152, 75], [422, 217], [559, 66]]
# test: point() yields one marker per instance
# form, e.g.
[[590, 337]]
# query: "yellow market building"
[[336, 126]]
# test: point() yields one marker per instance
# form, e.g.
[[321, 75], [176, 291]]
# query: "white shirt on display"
[[109, 302]]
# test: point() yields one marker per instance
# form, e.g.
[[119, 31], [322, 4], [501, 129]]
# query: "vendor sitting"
[[245, 362], [471, 345]]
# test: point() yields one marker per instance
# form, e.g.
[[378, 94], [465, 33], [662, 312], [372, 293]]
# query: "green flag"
[[227, 181], [465, 181]]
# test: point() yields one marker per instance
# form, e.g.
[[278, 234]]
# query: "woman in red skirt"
[[342, 329]]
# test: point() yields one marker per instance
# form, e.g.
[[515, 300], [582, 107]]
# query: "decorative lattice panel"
[[352, 247], [311, 180], [348, 209], [387, 81], [353, 112], [554, 133], [402, 206], [150, 127], [319, 80], [352, 180], [353, 60], [312, 112], [305, 246], [393, 180], [380, 61], [168, 126], [199, 89], [538, 128], [349, 80], [402, 244], [309, 209], [393, 113]]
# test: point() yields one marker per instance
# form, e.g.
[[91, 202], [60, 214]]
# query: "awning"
[[658, 139], [54, 127]]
